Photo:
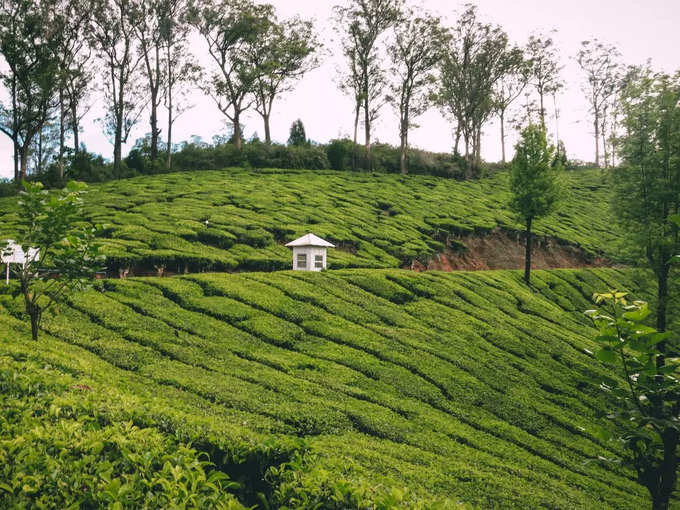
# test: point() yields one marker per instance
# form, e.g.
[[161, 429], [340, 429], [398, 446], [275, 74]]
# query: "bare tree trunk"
[[402, 154], [662, 301], [62, 133], [356, 133], [34, 312], [367, 128], [118, 137], [267, 132], [477, 150], [75, 128], [23, 163], [155, 132], [542, 110], [668, 471], [169, 71], [117, 142], [237, 130], [557, 121], [527, 254], [457, 139], [17, 150], [597, 139], [154, 126], [15, 135], [403, 132], [503, 135], [39, 167]]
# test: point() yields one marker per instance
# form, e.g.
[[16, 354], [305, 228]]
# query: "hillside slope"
[[376, 220], [463, 389]]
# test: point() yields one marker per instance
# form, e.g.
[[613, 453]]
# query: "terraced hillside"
[[376, 220], [464, 390]]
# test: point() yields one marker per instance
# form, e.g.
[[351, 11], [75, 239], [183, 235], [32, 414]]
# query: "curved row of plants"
[[349, 389], [236, 220]]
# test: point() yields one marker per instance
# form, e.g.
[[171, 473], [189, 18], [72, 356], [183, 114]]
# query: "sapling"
[[647, 406], [65, 254]]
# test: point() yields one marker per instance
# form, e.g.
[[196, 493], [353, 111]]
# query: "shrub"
[[7, 188], [339, 154]]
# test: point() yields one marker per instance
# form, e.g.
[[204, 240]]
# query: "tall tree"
[[415, 54], [366, 21], [648, 183], [283, 54], [181, 71], [534, 183], [599, 62], [112, 35], [28, 46], [646, 402], [545, 69], [231, 28], [351, 84], [78, 87], [72, 18], [149, 16], [510, 87], [45, 147], [473, 63]]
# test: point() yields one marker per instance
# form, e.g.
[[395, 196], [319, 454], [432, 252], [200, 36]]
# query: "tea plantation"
[[376, 220], [354, 388]]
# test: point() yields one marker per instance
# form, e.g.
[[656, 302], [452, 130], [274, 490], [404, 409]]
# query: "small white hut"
[[309, 253], [12, 253]]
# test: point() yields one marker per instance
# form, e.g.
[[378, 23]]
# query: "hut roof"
[[310, 240]]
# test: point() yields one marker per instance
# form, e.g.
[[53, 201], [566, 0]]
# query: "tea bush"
[[375, 220], [356, 388]]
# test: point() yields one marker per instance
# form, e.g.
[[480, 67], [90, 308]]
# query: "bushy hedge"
[[197, 155]]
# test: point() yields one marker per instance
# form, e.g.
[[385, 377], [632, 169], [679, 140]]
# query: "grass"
[[376, 220], [354, 388]]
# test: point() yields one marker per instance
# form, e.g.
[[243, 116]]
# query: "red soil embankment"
[[503, 250]]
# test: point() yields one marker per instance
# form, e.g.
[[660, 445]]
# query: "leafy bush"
[[7, 188], [57, 453], [339, 153]]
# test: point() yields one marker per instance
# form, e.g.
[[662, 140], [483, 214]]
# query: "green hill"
[[376, 220], [463, 390]]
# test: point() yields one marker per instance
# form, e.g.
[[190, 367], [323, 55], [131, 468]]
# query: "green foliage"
[[560, 159], [646, 404], [648, 184], [58, 450], [375, 220], [297, 137], [534, 181], [344, 389], [61, 254], [7, 188]]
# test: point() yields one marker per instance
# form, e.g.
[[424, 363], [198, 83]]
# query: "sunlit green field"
[[348, 389]]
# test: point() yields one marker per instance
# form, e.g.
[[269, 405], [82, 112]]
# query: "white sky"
[[641, 29]]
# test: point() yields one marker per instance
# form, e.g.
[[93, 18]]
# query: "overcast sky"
[[640, 29]]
